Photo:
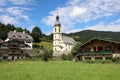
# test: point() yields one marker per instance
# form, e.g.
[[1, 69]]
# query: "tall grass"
[[58, 70]]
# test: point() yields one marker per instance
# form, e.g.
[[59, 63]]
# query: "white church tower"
[[57, 34], [61, 44]]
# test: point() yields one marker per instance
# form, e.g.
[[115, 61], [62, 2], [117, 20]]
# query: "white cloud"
[[7, 19], [18, 12], [103, 27], [13, 10], [99, 27], [82, 11], [77, 11]]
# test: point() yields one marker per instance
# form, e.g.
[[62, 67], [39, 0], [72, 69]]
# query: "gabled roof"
[[99, 40], [19, 36], [68, 40]]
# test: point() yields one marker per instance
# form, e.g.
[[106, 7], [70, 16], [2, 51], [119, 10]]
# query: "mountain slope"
[[86, 35]]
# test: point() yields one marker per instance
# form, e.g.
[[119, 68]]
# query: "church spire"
[[57, 23], [57, 17]]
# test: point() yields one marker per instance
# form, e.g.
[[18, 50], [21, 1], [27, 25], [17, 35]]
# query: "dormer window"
[[13, 35], [28, 41], [19, 36]]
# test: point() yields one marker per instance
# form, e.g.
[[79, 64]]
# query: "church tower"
[[57, 34]]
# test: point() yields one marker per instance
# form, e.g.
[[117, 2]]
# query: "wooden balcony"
[[99, 52]]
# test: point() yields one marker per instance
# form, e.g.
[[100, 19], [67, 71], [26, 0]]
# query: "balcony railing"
[[99, 52]]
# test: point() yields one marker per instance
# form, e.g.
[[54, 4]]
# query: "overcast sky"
[[75, 15]]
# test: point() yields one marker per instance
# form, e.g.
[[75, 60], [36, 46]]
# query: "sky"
[[75, 15]]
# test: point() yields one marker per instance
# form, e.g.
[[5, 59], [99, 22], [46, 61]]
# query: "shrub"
[[63, 56], [97, 61], [66, 57]]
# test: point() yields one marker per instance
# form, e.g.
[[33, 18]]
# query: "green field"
[[58, 70], [47, 45]]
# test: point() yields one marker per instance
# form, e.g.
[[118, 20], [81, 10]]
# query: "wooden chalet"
[[17, 45], [13, 50], [99, 49]]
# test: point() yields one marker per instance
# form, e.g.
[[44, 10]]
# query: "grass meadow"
[[47, 45], [58, 70]]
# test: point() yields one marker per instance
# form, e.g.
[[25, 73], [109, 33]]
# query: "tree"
[[4, 29], [36, 34], [76, 49], [19, 29]]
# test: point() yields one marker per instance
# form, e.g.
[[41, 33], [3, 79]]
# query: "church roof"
[[19, 35], [67, 39]]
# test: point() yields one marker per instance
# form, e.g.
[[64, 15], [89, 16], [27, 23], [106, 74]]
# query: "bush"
[[37, 46], [66, 57], [97, 61], [45, 57], [48, 54]]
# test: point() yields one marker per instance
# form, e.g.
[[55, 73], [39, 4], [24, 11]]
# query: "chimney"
[[23, 32], [14, 31]]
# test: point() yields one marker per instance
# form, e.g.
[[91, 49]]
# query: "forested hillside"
[[86, 35]]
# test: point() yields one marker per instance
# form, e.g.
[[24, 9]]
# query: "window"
[[55, 49], [19, 36], [87, 49], [28, 41], [59, 29], [107, 48], [13, 35], [66, 49], [66, 44], [55, 29], [22, 46], [4, 45]]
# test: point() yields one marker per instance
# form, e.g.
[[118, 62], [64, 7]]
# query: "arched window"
[[59, 29], [55, 49], [55, 29]]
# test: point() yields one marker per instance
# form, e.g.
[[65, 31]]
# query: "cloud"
[[104, 27], [8, 19], [15, 13], [77, 11], [99, 27], [18, 12], [83, 11]]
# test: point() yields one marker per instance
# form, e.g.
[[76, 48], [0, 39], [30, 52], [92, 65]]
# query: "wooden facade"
[[13, 49], [99, 49]]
